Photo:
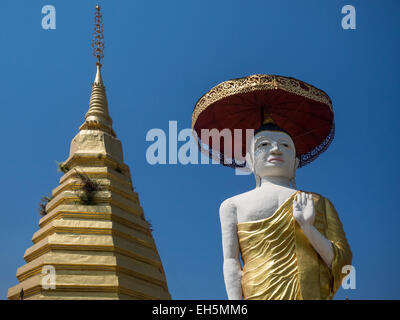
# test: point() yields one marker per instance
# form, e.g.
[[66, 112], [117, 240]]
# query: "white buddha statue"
[[291, 242]]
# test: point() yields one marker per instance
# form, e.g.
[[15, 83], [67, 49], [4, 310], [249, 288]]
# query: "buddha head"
[[272, 153]]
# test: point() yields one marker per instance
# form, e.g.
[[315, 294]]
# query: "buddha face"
[[274, 154]]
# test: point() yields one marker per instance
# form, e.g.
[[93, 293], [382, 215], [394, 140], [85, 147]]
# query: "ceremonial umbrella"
[[299, 108]]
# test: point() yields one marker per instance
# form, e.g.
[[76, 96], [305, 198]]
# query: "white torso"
[[260, 203]]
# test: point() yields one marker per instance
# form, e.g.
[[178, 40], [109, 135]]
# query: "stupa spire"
[[98, 36], [98, 116]]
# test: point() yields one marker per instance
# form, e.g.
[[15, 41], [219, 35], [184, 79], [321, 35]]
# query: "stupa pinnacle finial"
[[98, 37], [98, 118]]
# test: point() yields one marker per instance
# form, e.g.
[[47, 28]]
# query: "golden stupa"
[[94, 235]]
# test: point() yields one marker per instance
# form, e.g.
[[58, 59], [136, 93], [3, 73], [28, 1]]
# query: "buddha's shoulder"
[[232, 202]]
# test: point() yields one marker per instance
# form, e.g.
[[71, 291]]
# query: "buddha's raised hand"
[[303, 209]]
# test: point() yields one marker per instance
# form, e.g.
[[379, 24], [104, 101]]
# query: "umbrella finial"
[[268, 118]]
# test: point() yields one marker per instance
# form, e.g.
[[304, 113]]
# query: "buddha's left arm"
[[322, 245], [342, 254], [304, 211], [333, 249]]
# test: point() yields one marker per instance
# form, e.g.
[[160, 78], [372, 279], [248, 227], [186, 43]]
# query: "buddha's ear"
[[296, 163], [250, 164], [249, 161]]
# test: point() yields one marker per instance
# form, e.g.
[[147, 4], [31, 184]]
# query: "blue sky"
[[160, 57]]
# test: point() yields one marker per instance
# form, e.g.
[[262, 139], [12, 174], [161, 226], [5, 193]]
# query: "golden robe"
[[280, 263]]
